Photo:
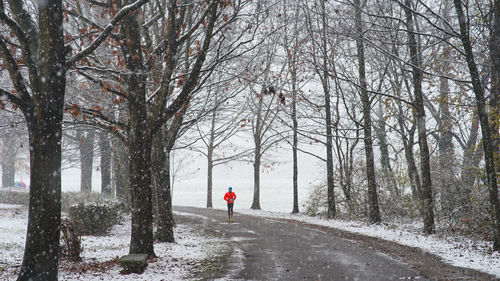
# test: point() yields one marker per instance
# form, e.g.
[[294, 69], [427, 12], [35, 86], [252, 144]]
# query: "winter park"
[[249, 140]]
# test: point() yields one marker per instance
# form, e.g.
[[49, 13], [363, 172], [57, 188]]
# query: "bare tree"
[[486, 130]]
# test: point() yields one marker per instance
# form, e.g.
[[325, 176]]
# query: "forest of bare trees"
[[397, 99]]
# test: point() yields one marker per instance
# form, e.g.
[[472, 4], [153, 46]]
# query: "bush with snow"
[[95, 218]]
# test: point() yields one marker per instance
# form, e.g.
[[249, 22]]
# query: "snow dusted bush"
[[70, 199], [316, 204], [94, 218], [14, 196], [70, 240]]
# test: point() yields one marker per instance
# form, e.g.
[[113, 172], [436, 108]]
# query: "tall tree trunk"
[[427, 197], [488, 139], [472, 156], [385, 161], [139, 140], [495, 120], [120, 167], [8, 174], [210, 160], [295, 208], [495, 85], [161, 179], [373, 209], [257, 154], [256, 177], [44, 118], [141, 194], [408, 143], [210, 167], [105, 150], [451, 192], [161, 173], [86, 159], [331, 209]]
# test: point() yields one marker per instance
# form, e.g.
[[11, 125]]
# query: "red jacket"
[[230, 197]]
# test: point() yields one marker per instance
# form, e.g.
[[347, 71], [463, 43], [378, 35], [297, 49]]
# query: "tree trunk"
[[139, 140], [140, 187], [86, 159], [8, 174], [452, 194], [385, 163], [256, 179], [161, 179], [8, 161], [331, 211], [495, 121], [257, 154], [488, 136], [210, 167], [139, 147], [472, 156], [105, 150], [44, 118], [210, 161], [295, 208], [373, 209], [120, 167], [427, 197]]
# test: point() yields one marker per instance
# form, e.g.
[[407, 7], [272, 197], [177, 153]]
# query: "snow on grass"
[[101, 254], [461, 252]]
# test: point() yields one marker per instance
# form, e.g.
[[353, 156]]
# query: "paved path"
[[265, 249]]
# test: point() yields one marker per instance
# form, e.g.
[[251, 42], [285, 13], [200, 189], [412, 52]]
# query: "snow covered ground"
[[176, 260]]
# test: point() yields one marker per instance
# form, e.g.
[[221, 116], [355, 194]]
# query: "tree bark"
[[139, 142], [161, 179], [427, 197], [495, 120], [331, 210], [210, 160], [257, 153], [408, 143], [164, 143], [120, 167], [105, 150], [486, 129], [44, 118], [86, 159], [8, 161], [295, 208], [452, 194], [385, 161], [256, 177], [373, 209]]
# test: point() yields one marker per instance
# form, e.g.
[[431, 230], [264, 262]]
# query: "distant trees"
[[224, 122], [12, 146]]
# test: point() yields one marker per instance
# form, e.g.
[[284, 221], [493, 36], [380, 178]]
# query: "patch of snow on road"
[[462, 252]]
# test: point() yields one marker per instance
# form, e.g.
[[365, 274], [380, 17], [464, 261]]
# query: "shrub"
[[95, 218], [14, 196], [70, 240], [316, 204]]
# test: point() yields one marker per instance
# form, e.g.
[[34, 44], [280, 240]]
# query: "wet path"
[[265, 249]]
